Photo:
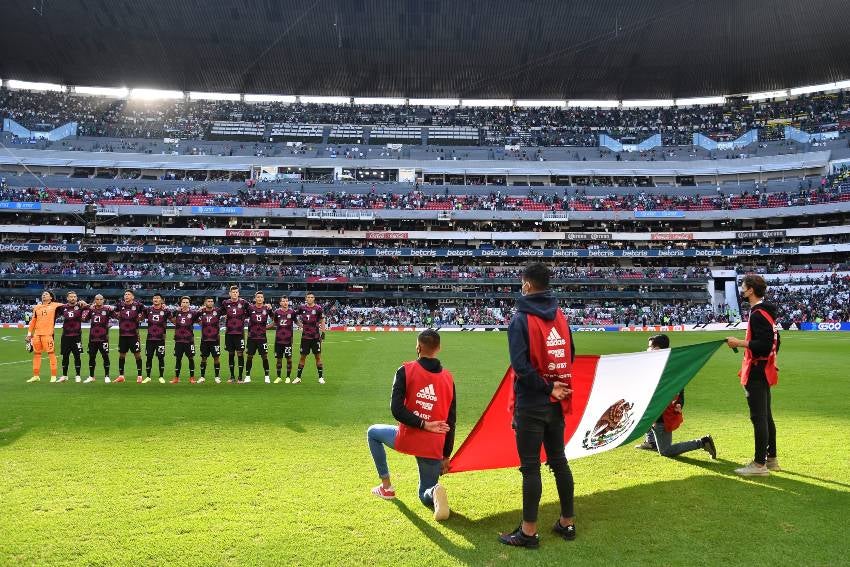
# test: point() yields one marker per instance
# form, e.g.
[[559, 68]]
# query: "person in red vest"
[[542, 353], [759, 374], [660, 436], [423, 402]]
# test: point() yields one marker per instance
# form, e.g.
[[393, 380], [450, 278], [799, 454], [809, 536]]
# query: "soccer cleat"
[[708, 446], [119, 380], [175, 380], [441, 503], [139, 379], [89, 380], [146, 380], [62, 379], [192, 380], [268, 380], [753, 469], [201, 380], [106, 380], [231, 381], [53, 379], [566, 532], [518, 539], [772, 464], [321, 380], [217, 380], [385, 493], [297, 381], [287, 380], [34, 379], [278, 380], [78, 379], [161, 380], [247, 380]]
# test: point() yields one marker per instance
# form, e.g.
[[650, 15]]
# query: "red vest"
[[550, 351], [672, 419], [428, 395], [770, 369]]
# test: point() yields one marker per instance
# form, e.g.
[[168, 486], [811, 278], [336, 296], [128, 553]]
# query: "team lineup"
[[231, 314]]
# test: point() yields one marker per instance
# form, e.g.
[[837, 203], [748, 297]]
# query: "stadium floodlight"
[[325, 99], [392, 101], [154, 94], [486, 102], [195, 95], [701, 101], [813, 89], [648, 103], [541, 103], [767, 94], [30, 86], [593, 103], [434, 102], [119, 92], [270, 98]]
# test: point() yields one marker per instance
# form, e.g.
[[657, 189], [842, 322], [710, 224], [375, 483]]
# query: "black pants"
[[543, 425], [758, 398]]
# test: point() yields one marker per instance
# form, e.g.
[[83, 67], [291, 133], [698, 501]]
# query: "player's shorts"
[[210, 348], [184, 348], [258, 345], [99, 347], [234, 342], [311, 345], [283, 349], [129, 344], [155, 346], [71, 345], [42, 343]]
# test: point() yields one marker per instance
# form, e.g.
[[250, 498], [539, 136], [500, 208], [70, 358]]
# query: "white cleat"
[[287, 380], [217, 380], [321, 380], [247, 380], [53, 379], [62, 379], [106, 380], [34, 379], [78, 379], [268, 380], [201, 380], [89, 380], [161, 380], [297, 381]]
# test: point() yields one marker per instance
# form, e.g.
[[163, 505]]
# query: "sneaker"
[[201, 380], [753, 469], [119, 380], [287, 381], [247, 380], [519, 539], [708, 446], [321, 380], [175, 380], [78, 379], [646, 446], [34, 379], [192, 380], [53, 379], [385, 493], [62, 379], [146, 380], [441, 503], [268, 380], [89, 380], [106, 380], [772, 464], [297, 381], [566, 532], [138, 379], [217, 380], [161, 380]]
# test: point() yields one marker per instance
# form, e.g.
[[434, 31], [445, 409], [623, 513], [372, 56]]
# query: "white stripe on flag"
[[631, 377]]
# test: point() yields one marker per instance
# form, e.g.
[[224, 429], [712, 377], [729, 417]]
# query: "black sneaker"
[[568, 532], [519, 539], [708, 446]]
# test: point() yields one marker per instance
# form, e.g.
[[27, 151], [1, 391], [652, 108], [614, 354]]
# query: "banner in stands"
[[217, 210], [659, 214], [387, 236], [672, 236], [825, 326], [20, 206], [588, 236], [399, 252], [246, 233], [327, 279], [753, 234]]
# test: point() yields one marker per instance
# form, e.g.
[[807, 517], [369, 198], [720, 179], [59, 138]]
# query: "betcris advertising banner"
[[18, 206], [595, 328], [825, 326]]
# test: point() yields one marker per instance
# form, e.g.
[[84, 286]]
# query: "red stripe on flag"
[[491, 444]]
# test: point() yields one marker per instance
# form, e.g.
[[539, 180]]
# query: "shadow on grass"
[[11, 432]]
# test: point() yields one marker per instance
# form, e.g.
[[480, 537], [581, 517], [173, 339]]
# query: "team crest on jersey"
[[616, 420]]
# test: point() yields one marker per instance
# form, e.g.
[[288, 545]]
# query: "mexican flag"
[[616, 398]]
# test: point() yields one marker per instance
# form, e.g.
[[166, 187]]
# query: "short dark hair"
[[660, 341], [259, 293], [209, 297], [157, 294], [186, 297], [429, 339], [756, 283], [537, 274], [234, 288], [309, 293], [130, 291]]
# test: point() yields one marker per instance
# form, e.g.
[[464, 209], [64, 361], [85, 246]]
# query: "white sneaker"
[[62, 379], [201, 380], [247, 380], [321, 380], [441, 503], [268, 380], [78, 379], [753, 469], [297, 381], [107, 380], [287, 381], [89, 380], [217, 380]]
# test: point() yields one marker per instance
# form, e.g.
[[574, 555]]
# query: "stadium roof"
[[472, 49]]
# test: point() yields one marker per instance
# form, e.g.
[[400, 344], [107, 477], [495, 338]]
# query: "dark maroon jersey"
[[72, 317], [310, 318], [258, 320], [101, 320], [235, 313], [283, 320], [184, 322], [157, 319], [129, 316], [210, 320]]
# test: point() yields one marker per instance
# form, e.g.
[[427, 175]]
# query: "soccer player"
[[210, 318], [312, 320], [184, 339], [258, 318], [284, 319], [72, 341], [130, 313], [423, 401], [236, 311], [100, 317], [40, 335], [157, 316]]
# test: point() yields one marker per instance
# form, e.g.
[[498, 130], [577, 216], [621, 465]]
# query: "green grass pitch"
[[123, 474]]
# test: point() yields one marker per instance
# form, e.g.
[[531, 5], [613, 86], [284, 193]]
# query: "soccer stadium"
[[293, 282]]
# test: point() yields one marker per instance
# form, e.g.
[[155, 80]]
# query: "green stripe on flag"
[[682, 365]]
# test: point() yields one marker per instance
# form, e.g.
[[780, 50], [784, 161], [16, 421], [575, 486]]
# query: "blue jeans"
[[429, 469], [663, 441]]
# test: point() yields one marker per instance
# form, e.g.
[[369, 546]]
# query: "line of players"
[[129, 313]]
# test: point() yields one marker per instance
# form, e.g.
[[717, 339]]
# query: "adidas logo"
[[554, 339], [427, 393]]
